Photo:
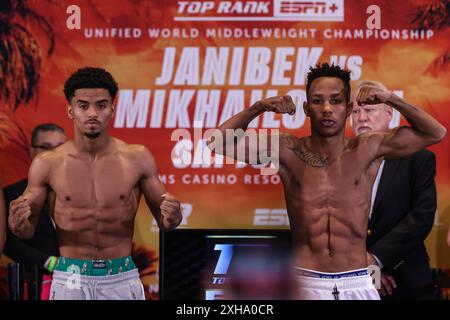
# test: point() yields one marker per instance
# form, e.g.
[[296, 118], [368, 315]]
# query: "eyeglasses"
[[45, 146]]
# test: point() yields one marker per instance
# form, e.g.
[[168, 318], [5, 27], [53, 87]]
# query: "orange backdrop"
[[132, 39]]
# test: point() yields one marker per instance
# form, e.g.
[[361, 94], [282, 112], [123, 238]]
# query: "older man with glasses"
[[46, 137]]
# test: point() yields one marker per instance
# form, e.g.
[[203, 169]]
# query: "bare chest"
[[340, 181], [101, 183]]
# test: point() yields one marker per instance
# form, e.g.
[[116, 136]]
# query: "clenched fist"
[[282, 104], [19, 212], [372, 95], [170, 210]]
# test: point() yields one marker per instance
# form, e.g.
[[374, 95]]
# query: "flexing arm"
[[403, 141], [229, 137], [24, 212], [164, 207]]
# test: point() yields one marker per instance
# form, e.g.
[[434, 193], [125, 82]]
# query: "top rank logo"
[[260, 10]]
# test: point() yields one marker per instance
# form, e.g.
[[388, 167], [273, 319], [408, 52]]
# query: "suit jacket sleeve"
[[415, 226], [17, 249]]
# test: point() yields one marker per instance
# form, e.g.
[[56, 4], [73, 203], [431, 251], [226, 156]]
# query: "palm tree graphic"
[[20, 64], [435, 16]]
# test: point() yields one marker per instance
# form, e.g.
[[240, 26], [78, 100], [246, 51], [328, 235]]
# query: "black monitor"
[[198, 263]]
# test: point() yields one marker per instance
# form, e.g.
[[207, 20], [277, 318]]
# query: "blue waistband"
[[325, 275]]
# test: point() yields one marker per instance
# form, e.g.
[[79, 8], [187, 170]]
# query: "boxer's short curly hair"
[[90, 77], [325, 70]]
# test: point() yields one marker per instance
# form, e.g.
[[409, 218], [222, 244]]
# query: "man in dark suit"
[[402, 211], [42, 249]]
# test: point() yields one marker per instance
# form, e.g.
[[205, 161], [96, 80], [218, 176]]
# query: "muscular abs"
[[95, 205], [328, 203]]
